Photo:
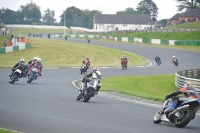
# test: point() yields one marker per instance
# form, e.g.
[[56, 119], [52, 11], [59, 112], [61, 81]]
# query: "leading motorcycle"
[[83, 69], [89, 90], [124, 65], [175, 61], [182, 115]]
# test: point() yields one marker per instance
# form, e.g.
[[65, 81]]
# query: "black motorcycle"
[[83, 69], [175, 61], [15, 76], [88, 90], [182, 115], [88, 40]]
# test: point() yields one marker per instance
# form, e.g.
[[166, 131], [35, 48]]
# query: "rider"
[[174, 58], [20, 65], [86, 61], [124, 60], [158, 60], [37, 64], [96, 75], [32, 61], [188, 90], [88, 39]]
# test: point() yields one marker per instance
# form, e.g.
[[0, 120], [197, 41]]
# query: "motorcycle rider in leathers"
[[37, 64], [189, 92]]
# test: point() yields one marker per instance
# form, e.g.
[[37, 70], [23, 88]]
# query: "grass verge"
[[189, 25], [153, 87], [161, 35], [7, 131], [59, 53]]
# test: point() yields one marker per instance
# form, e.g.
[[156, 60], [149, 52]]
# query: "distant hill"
[[189, 25]]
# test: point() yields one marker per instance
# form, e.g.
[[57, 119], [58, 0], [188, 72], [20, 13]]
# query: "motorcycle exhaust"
[[180, 108]]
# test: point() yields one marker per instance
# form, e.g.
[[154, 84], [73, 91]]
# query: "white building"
[[110, 22]]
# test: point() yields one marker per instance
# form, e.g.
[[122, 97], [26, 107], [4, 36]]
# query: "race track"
[[49, 104]]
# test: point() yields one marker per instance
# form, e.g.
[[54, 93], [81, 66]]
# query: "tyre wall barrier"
[[14, 48], [132, 39], [192, 76]]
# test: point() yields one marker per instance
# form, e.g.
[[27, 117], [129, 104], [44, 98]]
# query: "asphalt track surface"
[[48, 105]]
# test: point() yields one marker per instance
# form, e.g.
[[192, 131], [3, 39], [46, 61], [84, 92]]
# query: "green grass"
[[7, 131], [60, 53], [195, 35], [154, 87], [190, 25], [2, 38]]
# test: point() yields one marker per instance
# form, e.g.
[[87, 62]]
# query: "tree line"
[[31, 14]]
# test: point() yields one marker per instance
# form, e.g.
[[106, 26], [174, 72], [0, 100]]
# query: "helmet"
[[39, 59], [87, 58], [95, 68], [174, 57], [123, 56], [188, 85], [35, 58], [22, 60]]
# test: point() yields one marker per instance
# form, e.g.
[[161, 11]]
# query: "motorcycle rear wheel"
[[187, 115]]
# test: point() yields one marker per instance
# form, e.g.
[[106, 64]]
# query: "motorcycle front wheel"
[[157, 116]]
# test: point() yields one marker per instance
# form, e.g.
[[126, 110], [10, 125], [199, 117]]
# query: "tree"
[[163, 22], [88, 17], [188, 4], [8, 16], [48, 17], [31, 13], [148, 7], [128, 10]]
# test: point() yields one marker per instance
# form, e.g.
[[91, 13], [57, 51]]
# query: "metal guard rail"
[[183, 77]]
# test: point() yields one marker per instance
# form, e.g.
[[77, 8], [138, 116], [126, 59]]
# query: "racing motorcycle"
[[83, 69], [88, 90], [15, 76], [124, 65], [175, 61], [32, 75], [182, 115], [88, 40]]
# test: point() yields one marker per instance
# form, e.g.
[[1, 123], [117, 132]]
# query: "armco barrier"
[[14, 48], [192, 76], [142, 40]]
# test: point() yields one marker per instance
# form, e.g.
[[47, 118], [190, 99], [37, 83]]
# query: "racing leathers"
[[37, 65], [87, 64], [20, 65]]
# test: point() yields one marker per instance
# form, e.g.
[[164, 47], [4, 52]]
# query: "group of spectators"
[[186, 20]]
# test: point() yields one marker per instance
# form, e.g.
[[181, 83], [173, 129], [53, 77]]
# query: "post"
[[64, 22]]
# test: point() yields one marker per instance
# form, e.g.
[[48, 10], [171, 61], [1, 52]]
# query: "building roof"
[[191, 13], [123, 19], [175, 17]]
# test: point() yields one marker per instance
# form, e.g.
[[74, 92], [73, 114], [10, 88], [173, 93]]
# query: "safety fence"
[[192, 76], [134, 39], [14, 48]]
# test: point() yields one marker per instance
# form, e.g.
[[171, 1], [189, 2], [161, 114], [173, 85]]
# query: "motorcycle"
[[182, 115], [86, 92], [88, 40], [175, 61], [32, 75], [65, 37], [83, 69], [124, 65], [15, 76]]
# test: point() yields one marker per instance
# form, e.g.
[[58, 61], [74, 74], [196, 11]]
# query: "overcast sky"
[[167, 8]]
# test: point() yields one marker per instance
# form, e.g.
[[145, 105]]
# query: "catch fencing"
[[192, 76]]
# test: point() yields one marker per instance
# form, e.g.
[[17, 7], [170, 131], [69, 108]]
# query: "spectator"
[[11, 37], [4, 43]]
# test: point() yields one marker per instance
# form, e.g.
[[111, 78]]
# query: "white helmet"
[[35, 58], [95, 68], [39, 59], [174, 57]]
